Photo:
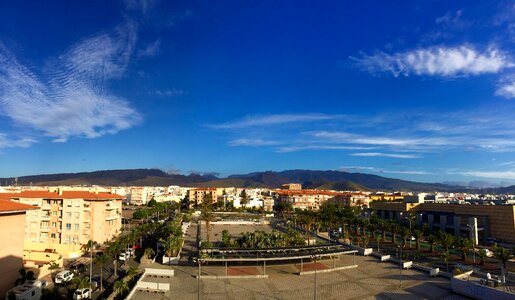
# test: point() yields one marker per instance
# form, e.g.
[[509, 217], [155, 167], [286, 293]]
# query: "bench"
[[385, 258]]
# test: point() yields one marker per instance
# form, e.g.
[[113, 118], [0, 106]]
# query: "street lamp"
[[472, 231], [315, 292], [400, 265]]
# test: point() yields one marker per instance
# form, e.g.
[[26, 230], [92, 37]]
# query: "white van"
[[63, 276], [26, 291]]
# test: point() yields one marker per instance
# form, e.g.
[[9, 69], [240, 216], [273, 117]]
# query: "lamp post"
[[315, 287], [472, 228], [409, 220], [400, 266]]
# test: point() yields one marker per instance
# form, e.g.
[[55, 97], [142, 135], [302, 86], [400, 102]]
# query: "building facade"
[[69, 218], [12, 227], [495, 222]]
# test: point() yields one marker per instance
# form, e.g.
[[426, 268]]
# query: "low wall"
[[460, 285]]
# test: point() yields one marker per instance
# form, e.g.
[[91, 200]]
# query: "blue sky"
[[418, 90]]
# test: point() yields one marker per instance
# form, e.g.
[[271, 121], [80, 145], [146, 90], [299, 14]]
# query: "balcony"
[[110, 218], [45, 217], [46, 207], [45, 229], [112, 207]]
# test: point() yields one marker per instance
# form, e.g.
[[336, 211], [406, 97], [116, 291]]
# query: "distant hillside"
[[314, 179], [309, 179]]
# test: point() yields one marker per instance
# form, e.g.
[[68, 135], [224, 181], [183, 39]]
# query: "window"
[[77, 203], [75, 239], [68, 215], [44, 236], [54, 224], [68, 226], [54, 213], [52, 235], [67, 239], [77, 215], [76, 226]]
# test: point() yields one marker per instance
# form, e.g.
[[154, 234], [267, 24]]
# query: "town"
[[110, 242]]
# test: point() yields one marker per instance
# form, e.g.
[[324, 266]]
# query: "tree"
[[120, 286], [101, 260], [464, 245], [431, 240], [418, 235], [503, 255], [207, 216], [395, 227], [24, 276], [131, 272], [244, 198], [445, 256], [405, 233], [52, 267], [88, 246], [152, 203], [446, 240], [226, 238], [81, 282], [482, 254], [149, 253]]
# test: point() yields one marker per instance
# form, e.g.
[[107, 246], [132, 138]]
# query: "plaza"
[[371, 279]]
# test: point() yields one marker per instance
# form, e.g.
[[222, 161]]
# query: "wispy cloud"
[[506, 89], [376, 154], [141, 5], [172, 93], [69, 97], [268, 120], [285, 149], [509, 174], [379, 170], [252, 142], [7, 141], [436, 61], [150, 50]]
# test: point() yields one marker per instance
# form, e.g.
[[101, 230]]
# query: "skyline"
[[418, 91]]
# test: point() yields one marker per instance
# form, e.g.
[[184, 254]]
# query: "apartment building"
[[12, 226], [67, 219], [292, 186], [200, 195], [308, 199]]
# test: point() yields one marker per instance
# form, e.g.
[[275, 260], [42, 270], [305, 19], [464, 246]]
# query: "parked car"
[[123, 257], [82, 294], [64, 276], [79, 269]]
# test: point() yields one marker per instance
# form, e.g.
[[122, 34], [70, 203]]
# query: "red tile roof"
[[65, 195], [9, 206]]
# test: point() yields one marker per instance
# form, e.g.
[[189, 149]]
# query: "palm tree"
[[120, 286], [395, 227], [464, 245], [503, 255], [101, 260], [405, 233], [482, 254], [52, 267], [308, 220], [207, 216], [446, 240], [445, 256], [81, 282], [131, 272], [378, 238], [418, 235], [149, 252], [431, 240]]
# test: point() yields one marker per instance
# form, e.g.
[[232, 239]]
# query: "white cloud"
[[252, 142], [150, 50], [267, 120], [436, 61], [10, 142], [377, 170], [172, 93], [286, 149], [506, 90], [376, 154], [69, 97], [510, 174]]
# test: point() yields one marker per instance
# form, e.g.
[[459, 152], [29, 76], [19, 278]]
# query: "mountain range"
[[310, 179]]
